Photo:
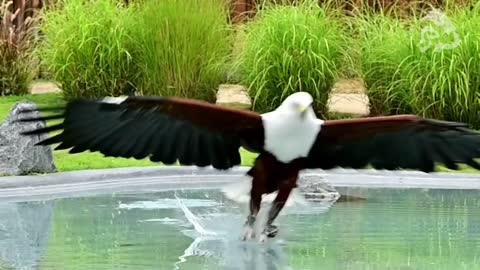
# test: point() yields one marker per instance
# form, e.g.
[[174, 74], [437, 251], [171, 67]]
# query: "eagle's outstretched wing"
[[165, 129], [394, 142]]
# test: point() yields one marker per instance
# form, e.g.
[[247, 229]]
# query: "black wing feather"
[[166, 130], [402, 142]]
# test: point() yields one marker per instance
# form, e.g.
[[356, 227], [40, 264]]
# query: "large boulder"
[[18, 154]]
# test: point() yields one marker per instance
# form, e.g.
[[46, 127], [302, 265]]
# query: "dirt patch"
[[349, 86], [351, 103], [44, 87], [349, 96]]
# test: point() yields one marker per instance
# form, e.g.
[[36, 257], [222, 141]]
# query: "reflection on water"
[[24, 230], [392, 229]]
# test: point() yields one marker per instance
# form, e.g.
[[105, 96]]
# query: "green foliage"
[[184, 47], [15, 51], [97, 48], [290, 48], [380, 39], [88, 47], [43, 100], [401, 77]]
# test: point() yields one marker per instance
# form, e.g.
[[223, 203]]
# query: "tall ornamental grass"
[[16, 43], [184, 47], [150, 47], [290, 48], [408, 68], [87, 46]]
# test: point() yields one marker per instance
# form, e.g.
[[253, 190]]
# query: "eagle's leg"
[[284, 191], [255, 202]]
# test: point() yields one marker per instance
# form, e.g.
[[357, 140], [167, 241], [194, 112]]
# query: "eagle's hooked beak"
[[303, 108]]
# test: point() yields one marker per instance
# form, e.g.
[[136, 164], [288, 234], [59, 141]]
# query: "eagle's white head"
[[298, 103], [292, 128]]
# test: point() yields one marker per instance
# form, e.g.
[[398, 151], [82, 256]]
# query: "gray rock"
[[18, 153], [316, 188]]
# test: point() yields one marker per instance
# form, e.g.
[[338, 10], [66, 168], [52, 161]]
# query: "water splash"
[[197, 225], [166, 220], [166, 203], [194, 250], [214, 238], [227, 249], [205, 235]]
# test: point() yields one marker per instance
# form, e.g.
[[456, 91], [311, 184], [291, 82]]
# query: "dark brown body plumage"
[[270, 175]]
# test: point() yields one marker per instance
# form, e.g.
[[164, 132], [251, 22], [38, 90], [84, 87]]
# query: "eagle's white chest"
[[287, 136]]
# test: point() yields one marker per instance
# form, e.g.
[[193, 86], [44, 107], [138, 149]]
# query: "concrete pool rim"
[[157, 178]]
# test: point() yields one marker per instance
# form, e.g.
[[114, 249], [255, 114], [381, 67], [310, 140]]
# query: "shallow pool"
[[391, 229]]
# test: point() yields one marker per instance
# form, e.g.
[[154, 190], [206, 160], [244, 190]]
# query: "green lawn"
[[88, 160], [6, 102]]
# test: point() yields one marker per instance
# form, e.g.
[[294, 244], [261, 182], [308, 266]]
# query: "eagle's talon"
[[263, 238], [248, 233], [270, 231]]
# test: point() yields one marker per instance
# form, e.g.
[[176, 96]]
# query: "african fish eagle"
[[289, 139]]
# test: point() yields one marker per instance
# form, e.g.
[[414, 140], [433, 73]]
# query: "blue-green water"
[[391, 229]]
